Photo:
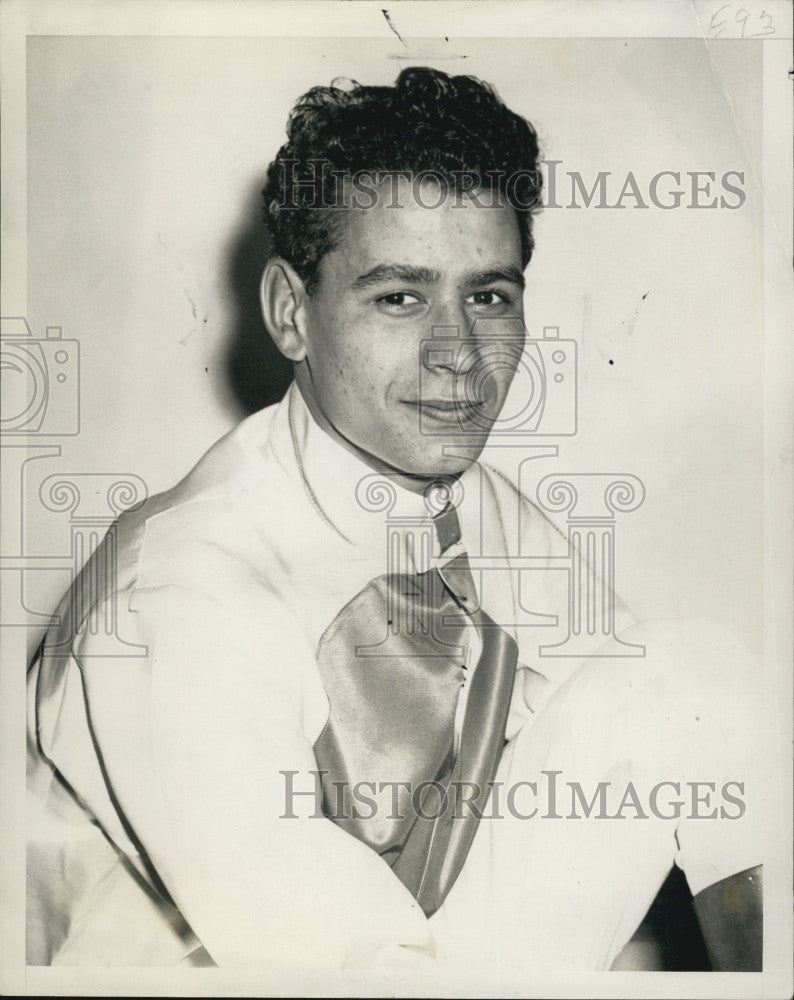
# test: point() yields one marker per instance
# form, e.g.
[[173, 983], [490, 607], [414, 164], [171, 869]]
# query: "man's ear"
[[283, 295]]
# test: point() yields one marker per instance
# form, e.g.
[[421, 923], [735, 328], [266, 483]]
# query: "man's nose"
[[450, 347], [448, 351]]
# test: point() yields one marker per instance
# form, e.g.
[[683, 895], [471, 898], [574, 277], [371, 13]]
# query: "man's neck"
[[407, 480]]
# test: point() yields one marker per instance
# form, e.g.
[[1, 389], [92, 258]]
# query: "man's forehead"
[[424, 190], [421, 224]]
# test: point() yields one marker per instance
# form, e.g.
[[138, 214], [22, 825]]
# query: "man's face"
[[395, 275]]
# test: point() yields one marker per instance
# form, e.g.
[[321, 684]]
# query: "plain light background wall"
[[145, 161]]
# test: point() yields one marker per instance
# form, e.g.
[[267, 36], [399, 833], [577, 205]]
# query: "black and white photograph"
[[396, 498]]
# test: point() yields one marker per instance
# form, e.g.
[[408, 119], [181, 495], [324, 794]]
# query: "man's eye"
[[487, 297], [398, 299]]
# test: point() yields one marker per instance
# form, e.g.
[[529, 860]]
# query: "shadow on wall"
[[258, 374]]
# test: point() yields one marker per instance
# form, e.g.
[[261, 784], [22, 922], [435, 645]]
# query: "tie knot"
[[447, 527]]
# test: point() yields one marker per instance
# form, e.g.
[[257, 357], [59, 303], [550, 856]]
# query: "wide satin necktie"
[[392, 773]]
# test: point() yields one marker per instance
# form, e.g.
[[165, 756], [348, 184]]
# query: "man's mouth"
[[450, 410]]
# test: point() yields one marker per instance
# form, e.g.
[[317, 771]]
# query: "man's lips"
[[452, 410]]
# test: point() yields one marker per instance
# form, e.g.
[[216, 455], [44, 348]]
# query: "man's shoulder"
[[197, 533]]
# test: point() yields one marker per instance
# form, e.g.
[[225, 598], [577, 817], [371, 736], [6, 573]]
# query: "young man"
[[339, 667]]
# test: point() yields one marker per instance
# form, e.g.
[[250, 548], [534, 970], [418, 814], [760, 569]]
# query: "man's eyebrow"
[[416, 274], [493, 274], [396, 272]]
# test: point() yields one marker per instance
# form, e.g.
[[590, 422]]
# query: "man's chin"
[[414, 469], [453, 460]]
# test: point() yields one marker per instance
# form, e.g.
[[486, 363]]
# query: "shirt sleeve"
[[200, 746], [725, 758]]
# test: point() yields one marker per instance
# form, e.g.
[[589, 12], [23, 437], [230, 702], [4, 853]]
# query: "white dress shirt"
[[157, 785]]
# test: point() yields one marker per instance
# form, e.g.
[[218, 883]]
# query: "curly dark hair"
[[453, 128]]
